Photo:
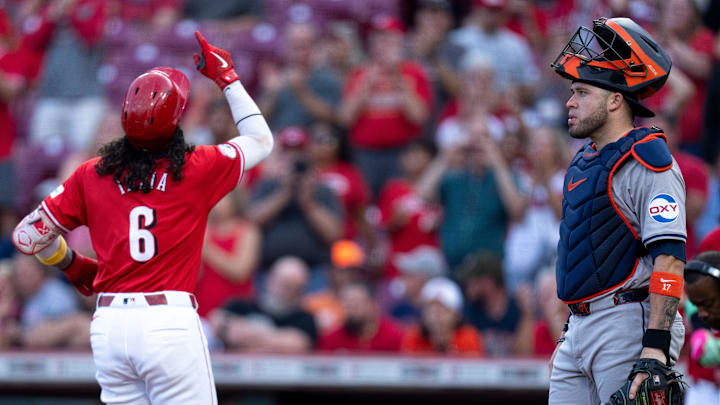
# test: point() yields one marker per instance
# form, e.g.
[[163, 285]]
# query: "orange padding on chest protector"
[[666, 284]]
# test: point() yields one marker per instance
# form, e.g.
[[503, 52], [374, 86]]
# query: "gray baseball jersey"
[[600, 348], [654, 205]]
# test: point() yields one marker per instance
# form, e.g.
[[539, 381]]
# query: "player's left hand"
[[214, 63], [664, 385], [647, 353]]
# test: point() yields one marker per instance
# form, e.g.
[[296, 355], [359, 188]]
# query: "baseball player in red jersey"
[[146, 199]]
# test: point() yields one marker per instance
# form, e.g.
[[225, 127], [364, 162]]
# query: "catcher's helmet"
[[617, 55], [152, 107]]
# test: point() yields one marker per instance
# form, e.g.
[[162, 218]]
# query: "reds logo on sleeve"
[[228, 150], [664, 208]]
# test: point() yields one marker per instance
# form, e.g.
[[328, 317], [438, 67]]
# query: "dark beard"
[[584, 128], [354, 326]]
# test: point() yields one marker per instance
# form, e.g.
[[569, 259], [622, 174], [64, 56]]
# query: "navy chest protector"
[[598, 249]]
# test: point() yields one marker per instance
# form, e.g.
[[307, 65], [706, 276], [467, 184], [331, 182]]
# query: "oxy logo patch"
[[664, 208]]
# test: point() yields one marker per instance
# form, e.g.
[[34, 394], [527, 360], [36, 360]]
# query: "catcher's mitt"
[[664, 386]]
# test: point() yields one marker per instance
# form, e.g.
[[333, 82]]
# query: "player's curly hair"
[[133, 167]]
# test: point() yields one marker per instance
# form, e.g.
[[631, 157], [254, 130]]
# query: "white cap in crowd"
[[444, 291]]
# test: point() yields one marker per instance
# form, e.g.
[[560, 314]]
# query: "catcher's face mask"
[[617, 55]]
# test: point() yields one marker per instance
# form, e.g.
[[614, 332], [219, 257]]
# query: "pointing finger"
[[201, 39]]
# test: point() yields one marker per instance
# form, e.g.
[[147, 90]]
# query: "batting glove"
[[214, 63], [81, 273]]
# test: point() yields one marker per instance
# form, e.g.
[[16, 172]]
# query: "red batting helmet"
[[617, 55], [153, 105]]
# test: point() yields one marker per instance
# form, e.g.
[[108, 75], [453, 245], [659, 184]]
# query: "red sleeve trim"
[[52, 217], [242, 160]]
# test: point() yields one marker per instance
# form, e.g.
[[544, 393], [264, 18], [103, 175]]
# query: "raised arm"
[[255, 140]]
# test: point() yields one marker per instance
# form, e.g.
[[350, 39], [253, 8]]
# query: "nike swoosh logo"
[[571, 185], [223, 61], [662, 280]]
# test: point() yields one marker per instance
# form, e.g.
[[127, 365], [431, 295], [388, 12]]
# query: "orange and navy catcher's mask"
[[617, 55]]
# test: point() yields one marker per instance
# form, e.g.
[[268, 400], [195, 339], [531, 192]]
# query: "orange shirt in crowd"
[[467, 340]]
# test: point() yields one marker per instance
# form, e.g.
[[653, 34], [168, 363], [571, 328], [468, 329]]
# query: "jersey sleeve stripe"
[[52, 217], [242, 160], [673, 236]]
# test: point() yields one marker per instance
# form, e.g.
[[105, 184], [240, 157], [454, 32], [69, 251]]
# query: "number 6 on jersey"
[[143, 245]]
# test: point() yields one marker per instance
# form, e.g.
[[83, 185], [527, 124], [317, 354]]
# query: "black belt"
[[621, 297]]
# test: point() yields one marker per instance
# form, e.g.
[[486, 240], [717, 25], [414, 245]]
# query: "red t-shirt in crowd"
[[696, 176], [214, 289], [420, 230], [349, 185], [151, 241], [382, 123], [544, 342], [691, 117], [711, 241], [387, 339]]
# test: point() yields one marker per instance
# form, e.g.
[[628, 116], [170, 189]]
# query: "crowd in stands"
[[412, 201]]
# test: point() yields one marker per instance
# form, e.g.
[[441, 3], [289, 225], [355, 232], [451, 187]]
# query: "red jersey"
[[151, 241], [420, 230], [349, 186], [213, 288], [383, 124], [388, 338]]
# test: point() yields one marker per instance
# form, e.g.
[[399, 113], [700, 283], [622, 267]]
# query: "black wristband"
[[658, 339]]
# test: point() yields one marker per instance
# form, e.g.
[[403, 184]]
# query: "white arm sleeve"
[[256, 139]]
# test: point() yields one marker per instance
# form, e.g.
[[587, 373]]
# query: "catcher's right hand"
[[215, 63], [664, 386]]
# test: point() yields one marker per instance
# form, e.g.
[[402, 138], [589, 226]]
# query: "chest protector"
[[598, 249]]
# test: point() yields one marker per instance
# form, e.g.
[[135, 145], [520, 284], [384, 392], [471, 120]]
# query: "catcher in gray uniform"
[[622, 236]]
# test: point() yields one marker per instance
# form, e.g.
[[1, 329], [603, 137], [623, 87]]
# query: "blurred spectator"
[[50, 316], [402, 296], [341, 50], [299, 216], [297, 93], [477, 101], [348, 260], [70, 98], [690, 45], [9, 307], [212, 126], [231, 14], [527, 19], [532, 242], [485, 31], [489, 306], [230, 255], [19, 68], [386, 103], [411, 222], [157, 14], [440, 59], [330, 154], [539, 337], [478, 191], [710, 218], [696, 176], [275, 322], [366, 328], [441, 329]]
